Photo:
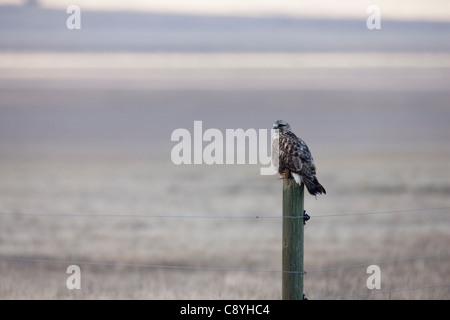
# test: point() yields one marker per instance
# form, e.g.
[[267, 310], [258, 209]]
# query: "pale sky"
[[419, 10]]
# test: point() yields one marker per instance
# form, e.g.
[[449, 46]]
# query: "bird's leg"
[[286, 175], [306, 217]]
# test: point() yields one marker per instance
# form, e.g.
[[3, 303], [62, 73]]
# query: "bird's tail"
[[313, 186]]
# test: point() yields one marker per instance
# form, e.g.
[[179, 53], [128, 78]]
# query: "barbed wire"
[[145, 216], [153, 266], [150, 266], [362, 295], [223, 269]]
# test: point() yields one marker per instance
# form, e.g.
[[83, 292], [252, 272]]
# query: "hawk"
[[294, 158]]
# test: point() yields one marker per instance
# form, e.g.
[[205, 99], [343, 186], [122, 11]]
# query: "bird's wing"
[[298, 158]]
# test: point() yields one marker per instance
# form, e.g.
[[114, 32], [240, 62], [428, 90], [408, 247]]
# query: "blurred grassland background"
[[86, 118]]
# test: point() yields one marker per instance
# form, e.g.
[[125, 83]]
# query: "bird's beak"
[[275, 126]]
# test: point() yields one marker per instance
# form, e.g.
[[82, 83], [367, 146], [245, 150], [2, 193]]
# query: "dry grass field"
[[131, 188], [84, 159], [105, 162], [85, 141]]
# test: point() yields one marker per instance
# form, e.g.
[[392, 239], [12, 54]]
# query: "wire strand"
[[114, 264], [30, 260], [145, 216], [151, 266]]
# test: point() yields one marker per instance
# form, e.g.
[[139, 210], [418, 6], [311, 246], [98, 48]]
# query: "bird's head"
[[281, 125]]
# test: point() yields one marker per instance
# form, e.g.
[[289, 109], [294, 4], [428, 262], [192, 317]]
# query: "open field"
[[86, 177], [123, 187], [72, 148]]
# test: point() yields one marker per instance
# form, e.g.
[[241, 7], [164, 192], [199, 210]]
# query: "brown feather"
[[294, 156]]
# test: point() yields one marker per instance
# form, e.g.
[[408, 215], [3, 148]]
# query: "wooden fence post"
[[292, 253]]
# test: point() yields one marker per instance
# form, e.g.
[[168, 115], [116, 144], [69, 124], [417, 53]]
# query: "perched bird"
[[294, 158]]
